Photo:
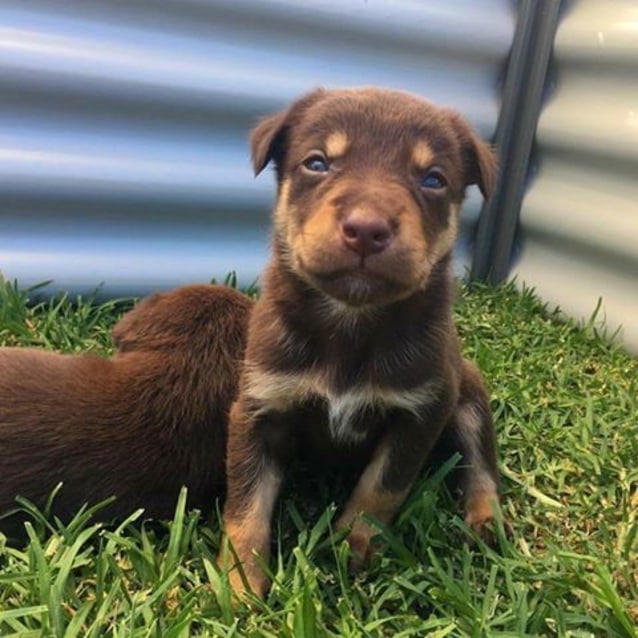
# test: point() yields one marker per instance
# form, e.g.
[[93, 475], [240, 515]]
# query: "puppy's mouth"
[[357, 286]]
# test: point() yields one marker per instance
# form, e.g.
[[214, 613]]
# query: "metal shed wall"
[[580, 216], [123, 123]]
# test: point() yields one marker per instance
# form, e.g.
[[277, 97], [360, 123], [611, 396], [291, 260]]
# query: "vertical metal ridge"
[[522, 102]]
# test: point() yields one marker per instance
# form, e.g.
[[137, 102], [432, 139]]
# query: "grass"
[[567, 419]]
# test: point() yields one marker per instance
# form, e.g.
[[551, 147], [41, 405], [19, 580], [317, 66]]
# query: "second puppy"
[[137, 426]]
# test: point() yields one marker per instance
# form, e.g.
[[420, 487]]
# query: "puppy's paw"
[[360, 551], [362, 547], [484, 529], [244, 579], [255, 583], [482, 514]]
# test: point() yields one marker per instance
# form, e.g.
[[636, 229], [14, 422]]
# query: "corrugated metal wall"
[[123, 123], [580, 216]]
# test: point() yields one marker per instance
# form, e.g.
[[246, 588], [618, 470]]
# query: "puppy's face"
[[370, 185]]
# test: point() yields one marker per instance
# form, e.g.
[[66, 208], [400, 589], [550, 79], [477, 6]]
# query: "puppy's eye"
[[433, 180], [316, 164]]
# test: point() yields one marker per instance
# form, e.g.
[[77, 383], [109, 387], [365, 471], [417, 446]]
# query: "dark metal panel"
[[579, 219], [522, 102]]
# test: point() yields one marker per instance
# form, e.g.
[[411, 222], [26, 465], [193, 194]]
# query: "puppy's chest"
[[350, 412]]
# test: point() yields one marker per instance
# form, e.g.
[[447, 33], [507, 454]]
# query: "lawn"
[[566, 411]]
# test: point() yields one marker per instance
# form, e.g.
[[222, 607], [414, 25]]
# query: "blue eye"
[[316, 164], [433, 180]]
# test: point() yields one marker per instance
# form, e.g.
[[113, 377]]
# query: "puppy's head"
[[191, 318], [370, 184]]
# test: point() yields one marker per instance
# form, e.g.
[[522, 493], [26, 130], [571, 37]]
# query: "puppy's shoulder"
[[181, 315]]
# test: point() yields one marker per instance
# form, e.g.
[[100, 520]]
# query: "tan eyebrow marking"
[[336, 144], [422, 154]]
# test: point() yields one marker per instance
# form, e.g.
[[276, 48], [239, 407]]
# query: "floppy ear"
[[269, 138], [484, 166], [265, 138], [478, 157]]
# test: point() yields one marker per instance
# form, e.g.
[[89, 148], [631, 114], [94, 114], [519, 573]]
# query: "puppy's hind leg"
[[471, 432]]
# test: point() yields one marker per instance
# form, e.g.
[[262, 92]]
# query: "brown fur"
[[352, 355], [138, 425]]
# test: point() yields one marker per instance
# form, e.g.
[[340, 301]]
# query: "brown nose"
[[366, 235]]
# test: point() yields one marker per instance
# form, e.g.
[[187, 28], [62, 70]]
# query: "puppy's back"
[[31, 374], [49, 403]]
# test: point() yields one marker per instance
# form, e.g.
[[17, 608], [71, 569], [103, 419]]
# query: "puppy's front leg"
[[254, 476], [473, 431], [387, 479]]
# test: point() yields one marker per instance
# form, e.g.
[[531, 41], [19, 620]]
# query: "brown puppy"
[[139, 425], [352, 353]]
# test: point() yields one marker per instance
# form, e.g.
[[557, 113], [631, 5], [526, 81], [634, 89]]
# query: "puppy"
[[352, 354], [137, 426]]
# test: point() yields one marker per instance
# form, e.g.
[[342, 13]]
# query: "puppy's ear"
[[265, 140], [479, 160], [268, 139]]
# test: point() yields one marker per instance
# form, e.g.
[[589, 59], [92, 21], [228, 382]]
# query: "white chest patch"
[[280, 391]]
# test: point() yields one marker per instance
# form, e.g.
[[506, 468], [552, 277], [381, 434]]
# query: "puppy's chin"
[[358, 288]]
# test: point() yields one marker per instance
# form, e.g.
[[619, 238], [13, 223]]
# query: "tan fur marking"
[[286, 224], [422, 154], [411, 234], [411, 230], [444, 243], [281, 216], [336, 144], [479, 508], [279, 390], [320, 230], [249, 535], [369, 497]]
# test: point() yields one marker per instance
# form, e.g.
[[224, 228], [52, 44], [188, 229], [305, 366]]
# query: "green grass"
[[567, 420]]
